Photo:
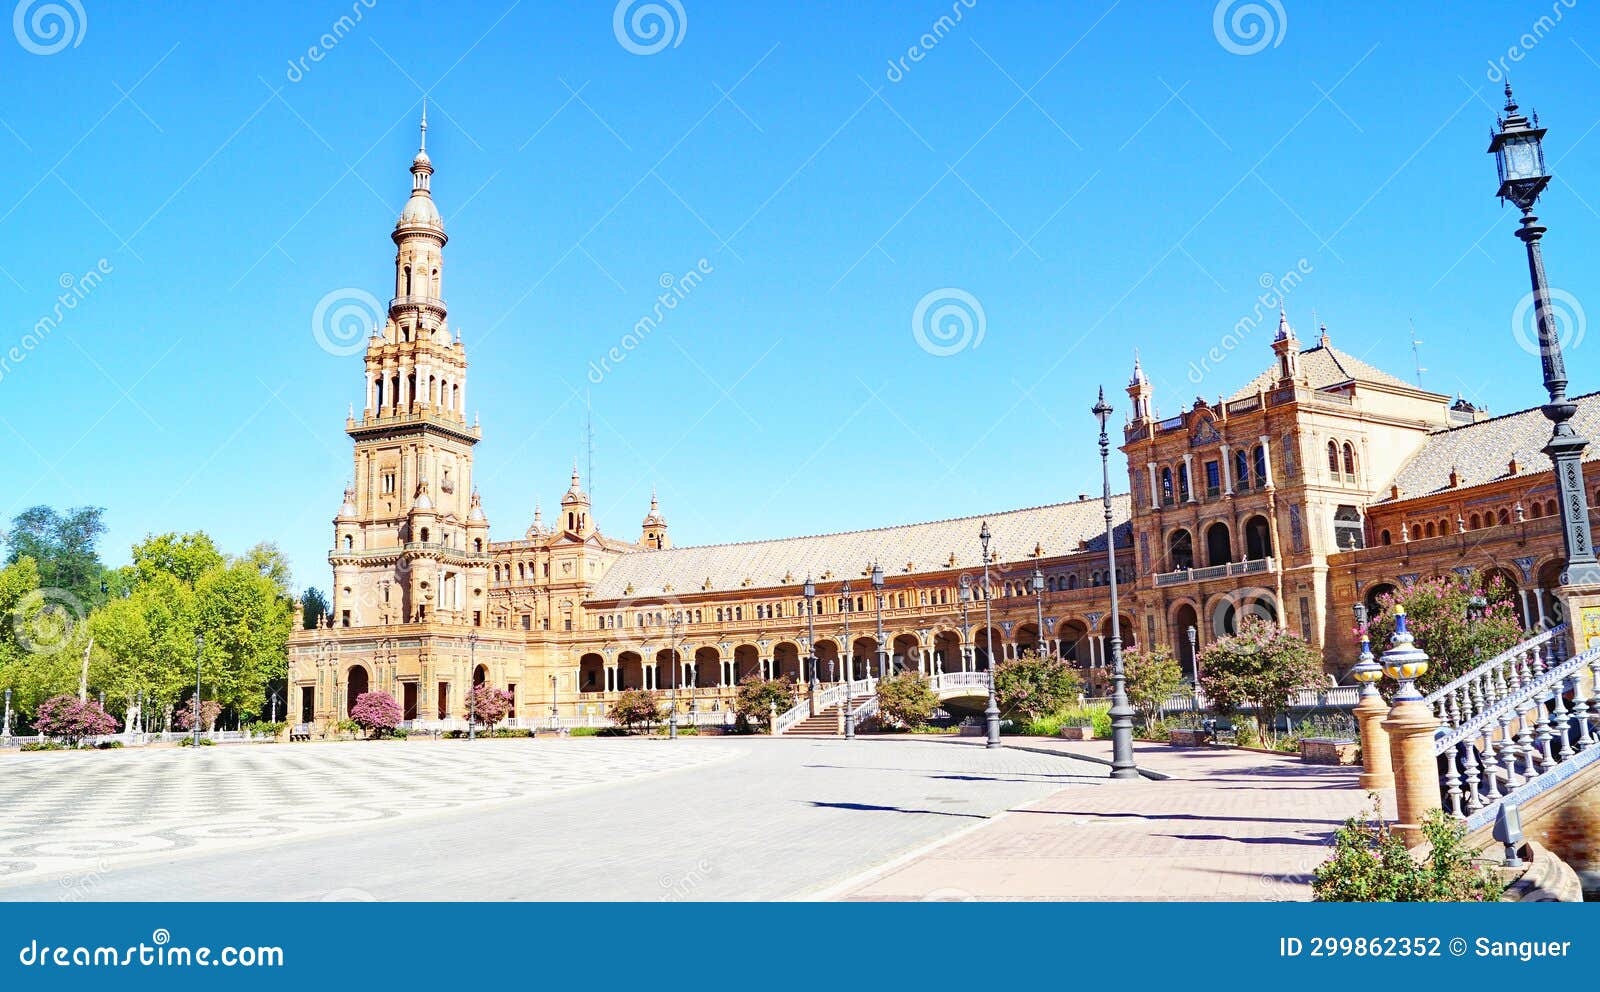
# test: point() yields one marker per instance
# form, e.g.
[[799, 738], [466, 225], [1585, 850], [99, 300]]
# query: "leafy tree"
[[1032, 686], [42, 638], [376, 712], [633, 707], [1371, 863], [1260, 666], [313, 607], [486, 705], [1436, 615], [756, 697], [187, 557], [210, 709], [1152, 676], [246, 625], [907, 699], [62, 545], [144, 642], [72, 719]]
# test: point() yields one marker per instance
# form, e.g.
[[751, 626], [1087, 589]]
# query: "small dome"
[[423, 502], [654, 517], [420, 212]]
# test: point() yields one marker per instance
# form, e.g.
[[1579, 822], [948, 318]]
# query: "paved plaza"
[[699, 818]]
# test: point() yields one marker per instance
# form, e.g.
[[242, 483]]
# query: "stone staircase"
[[825, 723]]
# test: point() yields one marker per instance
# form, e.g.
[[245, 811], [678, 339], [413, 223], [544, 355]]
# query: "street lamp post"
[[274, 706], [991, 715], [1122, 766], [555, 712], [672, 694], [877, 592], [1038, 595], [964, 595], [811, 636], [1519, 155], [472, 676], [849, 665], [1193, 633], [7, 726], [199, 648]]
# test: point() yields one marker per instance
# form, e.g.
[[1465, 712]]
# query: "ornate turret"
[[575, 508], [655, 527], [1139, 390], [1287, 347]]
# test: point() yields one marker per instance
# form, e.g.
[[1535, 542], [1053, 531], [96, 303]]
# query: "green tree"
[[63, 547], [633, 707], [907, 699], [1258, 666], [246, 626], [1152, 676], [144, 642], [1436, 615], [186, 557], [756, 697], [313, 607], [1033, 686]]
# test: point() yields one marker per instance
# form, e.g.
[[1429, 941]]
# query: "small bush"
[[1093, 715], [267, 728], [108, 745], [190, 742], [1371, 863], [1032, 687], [907, 699], [44, 746], [584, 732]]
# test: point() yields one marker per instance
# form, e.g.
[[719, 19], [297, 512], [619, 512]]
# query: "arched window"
[[1474, 522], [1350, 460], [1503, 517], [1385, 538], [1180, 548], [477, 544], [1257, 539], [1258, 456], [1427, 530], [349, 542], [1166, 485], [1333, 458], [1219, 544], [1183, 483], [1241, 469], [1072, 581]]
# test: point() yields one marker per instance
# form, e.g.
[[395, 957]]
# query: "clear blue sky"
[[1097, 176]]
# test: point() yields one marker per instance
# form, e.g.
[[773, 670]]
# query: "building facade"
[[1320, 483]]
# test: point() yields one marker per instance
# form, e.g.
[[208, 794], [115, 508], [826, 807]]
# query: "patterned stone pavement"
[[76, 814], [1228, 825]]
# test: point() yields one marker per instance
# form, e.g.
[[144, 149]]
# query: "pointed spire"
[[1285, 332], [1139, 378], [423, 143], [1511, 101]]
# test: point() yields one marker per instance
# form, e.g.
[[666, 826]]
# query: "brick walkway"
[[1228, 825]]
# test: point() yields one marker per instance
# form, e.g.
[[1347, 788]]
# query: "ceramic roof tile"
[[1324, 366]]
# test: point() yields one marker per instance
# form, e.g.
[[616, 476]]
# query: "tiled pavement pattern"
[[1229, 825], [781, 819], [66, 815]]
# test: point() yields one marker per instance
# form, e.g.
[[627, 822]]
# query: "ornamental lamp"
[[1404, 661], [1518, 152]]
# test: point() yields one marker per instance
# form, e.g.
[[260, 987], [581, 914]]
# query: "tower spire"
[[423, 144]]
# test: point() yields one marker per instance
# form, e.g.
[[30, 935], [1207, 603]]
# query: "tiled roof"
[[1482, 452], [1324, 366], [1059, 529]]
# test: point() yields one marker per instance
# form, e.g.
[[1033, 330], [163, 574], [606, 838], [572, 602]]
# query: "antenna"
[[588, 439], [1416, 354]]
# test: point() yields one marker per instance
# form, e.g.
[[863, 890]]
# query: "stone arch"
[[707, 667], [1257, 538], [1183, 617], [1072, 643], [746, 662], [1219, 544], [630, 670], [787, 662], [1180, 549], [357, 680], [1025, 637], [981, 646], [906, 653], [864, 656], [828, 659], [591, 673], [947, 651], [1374, 592]]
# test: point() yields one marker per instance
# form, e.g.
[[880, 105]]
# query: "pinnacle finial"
[[1511, 101], [424, 143]]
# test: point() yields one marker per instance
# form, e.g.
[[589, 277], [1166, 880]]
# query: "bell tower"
[[410, 538]]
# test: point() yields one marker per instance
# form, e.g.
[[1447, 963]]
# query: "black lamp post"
[[1038, 595], [877, 593], [1519, 155], [1122, 766], [964, 595], [199, 649], [1193, 634], [849, 666], [472, 685], [811, 636], [991, 714], [555, 711], [672, 693]]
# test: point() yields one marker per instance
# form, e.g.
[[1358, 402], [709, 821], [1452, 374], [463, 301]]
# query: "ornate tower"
[[1139, 391], [1287, 347], [411, 539], [655, 527]]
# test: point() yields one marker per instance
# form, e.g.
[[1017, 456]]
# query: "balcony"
[[1186, 576]]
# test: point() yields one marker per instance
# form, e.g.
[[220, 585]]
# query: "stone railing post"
[[1410, 725], [1377, 771], [772, 719]]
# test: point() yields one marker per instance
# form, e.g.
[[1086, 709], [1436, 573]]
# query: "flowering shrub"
[[907, 699], [634, 706], [1371, 863], [1436, 615], [72, 719], [757, 697], [376, 712], [183, 718], [1258, 666], [1152, 676], [1032, 686], [486, 705]]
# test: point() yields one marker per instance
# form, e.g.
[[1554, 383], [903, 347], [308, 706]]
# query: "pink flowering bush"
[[1436, 615], [1261, 666], [376, 712], [72, 719], [183, 719], [486, 705]]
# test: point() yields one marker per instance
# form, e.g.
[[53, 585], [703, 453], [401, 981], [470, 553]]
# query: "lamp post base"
[[991, 723]]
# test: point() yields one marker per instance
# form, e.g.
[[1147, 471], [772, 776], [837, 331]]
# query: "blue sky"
[[1097, 176]]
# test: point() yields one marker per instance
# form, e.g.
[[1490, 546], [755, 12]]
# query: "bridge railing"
[[1466, 697]]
